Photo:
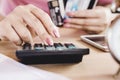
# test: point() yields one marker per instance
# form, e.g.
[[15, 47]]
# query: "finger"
[[33, 33], [2, 32], [46, 20], [88, 29], [3, 38], [47, 39], [67, 25], [12, 36], [18, 12], [37, 26], [85, 13], [21, 29], [93, 29], [86, 21]]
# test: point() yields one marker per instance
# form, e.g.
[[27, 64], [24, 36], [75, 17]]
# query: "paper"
[[12, 70]]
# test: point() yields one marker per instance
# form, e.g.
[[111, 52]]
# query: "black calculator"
[[51, 54]]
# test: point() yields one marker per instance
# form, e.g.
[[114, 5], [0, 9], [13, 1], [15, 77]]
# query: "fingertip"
[[49, 41], [31, 42], [18, 43], [65, 21], [56, 33], [46, 39], [67, 25], [70, 14]]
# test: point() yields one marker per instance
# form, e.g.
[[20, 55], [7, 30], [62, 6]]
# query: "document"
[[13, 70]]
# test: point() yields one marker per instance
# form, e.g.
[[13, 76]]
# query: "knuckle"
[[10, 18], [25, 37], [16, 40], [43, 13], [30, 5], [19, 7], [36, 20], [24, 34]]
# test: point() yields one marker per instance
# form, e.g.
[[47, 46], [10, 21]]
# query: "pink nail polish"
[[49, 41], [56, 33], [66, 25], [64, 21], [71, 14], [68, 20]]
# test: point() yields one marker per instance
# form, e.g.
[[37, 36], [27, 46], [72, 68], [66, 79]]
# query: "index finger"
[[45, 19]]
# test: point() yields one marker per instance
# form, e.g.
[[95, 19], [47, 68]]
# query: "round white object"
[[113, 38]]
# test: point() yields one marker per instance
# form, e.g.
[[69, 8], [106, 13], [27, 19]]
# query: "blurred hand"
[[27, 21], [94, 20]]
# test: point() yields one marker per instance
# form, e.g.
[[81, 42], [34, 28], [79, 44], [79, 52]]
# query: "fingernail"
[[49, 41], [56, 33], [66, 20], [66, 25], [70, 14], [19, 43], [53, 34]]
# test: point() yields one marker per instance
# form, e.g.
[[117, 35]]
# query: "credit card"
[[59, 8]]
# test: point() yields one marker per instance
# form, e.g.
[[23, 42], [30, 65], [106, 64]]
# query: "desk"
[[98, 65]]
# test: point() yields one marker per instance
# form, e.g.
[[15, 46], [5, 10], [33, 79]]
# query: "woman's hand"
[[27, 21], [94, 20]]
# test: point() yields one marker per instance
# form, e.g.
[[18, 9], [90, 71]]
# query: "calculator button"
[[70, 45], [56, 45], [27, 46], [38, 47], [62, 46], [59, 46], [49, 47]]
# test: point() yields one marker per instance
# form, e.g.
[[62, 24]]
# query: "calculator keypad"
[[55, 46], [47, 54]]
